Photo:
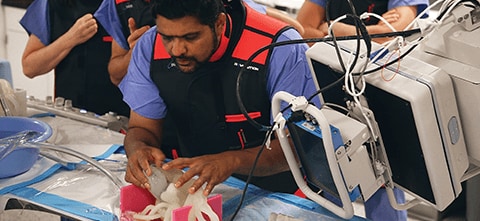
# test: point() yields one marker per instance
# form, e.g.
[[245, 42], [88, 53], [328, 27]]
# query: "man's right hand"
[[139, 161]]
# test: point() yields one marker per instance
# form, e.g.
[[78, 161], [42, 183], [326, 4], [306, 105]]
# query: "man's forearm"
[[271, 161], [118, 65], [136, 137]]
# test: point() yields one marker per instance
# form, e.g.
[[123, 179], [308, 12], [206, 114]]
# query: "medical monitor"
[[415, 108], [454, 47]]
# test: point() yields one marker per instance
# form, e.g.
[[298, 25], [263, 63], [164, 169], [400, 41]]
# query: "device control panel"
[[64, 107]]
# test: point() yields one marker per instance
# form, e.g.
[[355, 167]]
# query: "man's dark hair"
[[206, 11]]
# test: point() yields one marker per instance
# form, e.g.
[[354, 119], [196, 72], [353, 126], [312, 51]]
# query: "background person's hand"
[[324, 28], [135, 33], [83, 29], [390, 16], [210, 169], [139, 161]]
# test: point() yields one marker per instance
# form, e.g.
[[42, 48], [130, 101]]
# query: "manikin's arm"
[[39, 59]]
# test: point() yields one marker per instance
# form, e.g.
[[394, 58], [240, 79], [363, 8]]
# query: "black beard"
[[216, 43]]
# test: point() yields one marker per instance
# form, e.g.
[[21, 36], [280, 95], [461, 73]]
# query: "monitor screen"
[[311, 153]]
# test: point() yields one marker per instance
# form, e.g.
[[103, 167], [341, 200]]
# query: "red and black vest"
[[338, 8], [139, 10], [203, 104], [82, 75]]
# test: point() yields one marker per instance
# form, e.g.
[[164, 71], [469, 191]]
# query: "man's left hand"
[[211, 169]]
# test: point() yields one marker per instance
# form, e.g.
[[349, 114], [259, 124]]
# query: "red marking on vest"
[[174, 153], [245, 49], [240, 117], [120, 1], [107, 39], [223, 43], [241, 138], [159, 51], [246, 46], [268, 24]]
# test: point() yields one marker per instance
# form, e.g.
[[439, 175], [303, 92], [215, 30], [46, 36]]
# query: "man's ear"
[[220, 23]]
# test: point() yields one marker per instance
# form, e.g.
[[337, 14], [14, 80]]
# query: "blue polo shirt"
[[288, 71]]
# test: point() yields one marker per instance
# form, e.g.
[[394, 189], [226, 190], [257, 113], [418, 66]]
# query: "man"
[[188, 65], [127, 20]]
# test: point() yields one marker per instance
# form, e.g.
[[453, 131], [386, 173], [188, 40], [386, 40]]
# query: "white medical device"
[[413, 127], [331, 150]]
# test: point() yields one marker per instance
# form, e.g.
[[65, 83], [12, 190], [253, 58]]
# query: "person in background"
[[125, 21], [283, 16], [399, 13], [64, 36], [187, 66]]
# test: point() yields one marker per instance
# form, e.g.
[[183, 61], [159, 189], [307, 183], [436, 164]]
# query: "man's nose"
[[178, 47]]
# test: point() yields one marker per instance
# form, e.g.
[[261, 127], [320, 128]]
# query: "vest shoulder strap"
[[263, 29]]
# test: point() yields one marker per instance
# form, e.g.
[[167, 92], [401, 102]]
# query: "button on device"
[[65, 108], [453, 130], [49, 100], [68, 106], [59, 101]]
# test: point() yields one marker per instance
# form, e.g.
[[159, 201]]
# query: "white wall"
[[2, 34], [16, 39]]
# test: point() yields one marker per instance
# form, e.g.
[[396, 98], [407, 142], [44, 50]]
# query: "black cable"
[[334, 39], [299, 41], [326, 88], [269, 133], [269, 129], [393, 61], [361, 33]]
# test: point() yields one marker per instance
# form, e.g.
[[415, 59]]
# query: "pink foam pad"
[[133, 198], [181, 214]]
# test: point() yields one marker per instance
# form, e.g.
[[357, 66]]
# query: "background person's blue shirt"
[[107, 15], [36, 21]]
